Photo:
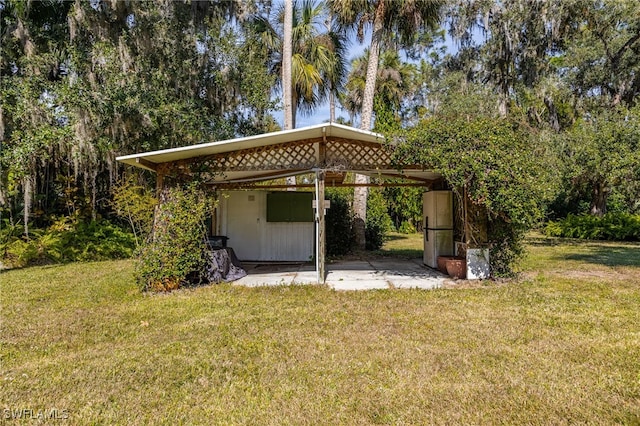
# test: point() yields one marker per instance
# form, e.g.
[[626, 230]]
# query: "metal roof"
[[149, 160], [192, 151]]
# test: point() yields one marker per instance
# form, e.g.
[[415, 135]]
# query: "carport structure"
[[328, 151]]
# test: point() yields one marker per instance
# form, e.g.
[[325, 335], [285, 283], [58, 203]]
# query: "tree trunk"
[[291, 180], [360, 193], [286, 64], [503, 105], [553, 113], [27, 184], [332, 107], [332, 89], [287, 89], [294, 108], [372, 67], [599, 201]]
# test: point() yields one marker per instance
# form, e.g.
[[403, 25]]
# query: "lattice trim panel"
[[348, 155], [333, 154], [284, 156], [275, 157]]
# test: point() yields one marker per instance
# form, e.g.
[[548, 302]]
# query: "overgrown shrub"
[[407, 228], [135, 203], [507, 246], [174, 251], [493, 163], [378, 221], [68, 239], [611, 226], [339, 223], [15, 250]]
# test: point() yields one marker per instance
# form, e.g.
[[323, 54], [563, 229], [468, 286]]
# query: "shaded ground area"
[[364, 274]]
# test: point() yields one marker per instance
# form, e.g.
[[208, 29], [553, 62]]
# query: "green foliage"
[[174, 250], [339, 222], [622, 199], [404, 205], [611, 226], [68, 239], [339, 225], [506, 246], [600, 60], [495, 164], [318, 57], [602, 154], [406, 228], [378, 220], [75, 240], [136, 204], [81, 84], [15, 251]]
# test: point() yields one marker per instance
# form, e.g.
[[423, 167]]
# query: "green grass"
[[402, 245], [559, 346]]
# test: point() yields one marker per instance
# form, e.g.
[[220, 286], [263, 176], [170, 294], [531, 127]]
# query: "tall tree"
[[602, 153], [403, 20], [602, 58], [394, 85], [83, 82], [318, 64], [512, 40], [287, 58]]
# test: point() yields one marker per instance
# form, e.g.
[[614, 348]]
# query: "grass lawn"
[[562, 345]]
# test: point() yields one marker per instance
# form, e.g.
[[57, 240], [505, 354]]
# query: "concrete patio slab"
[[347, 275], [359, 285]]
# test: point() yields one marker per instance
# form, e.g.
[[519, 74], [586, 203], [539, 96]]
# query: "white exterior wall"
[[242, 216]]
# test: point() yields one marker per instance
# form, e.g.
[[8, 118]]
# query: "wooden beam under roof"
[[146, 163], [253, 185]]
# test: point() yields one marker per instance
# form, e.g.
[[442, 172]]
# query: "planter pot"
[[442, 263], [457, 267]]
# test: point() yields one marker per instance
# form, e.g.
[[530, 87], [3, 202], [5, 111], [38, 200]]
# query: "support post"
[[320, 227]]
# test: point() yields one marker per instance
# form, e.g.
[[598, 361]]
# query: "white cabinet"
[[437, 207], [437, 242]]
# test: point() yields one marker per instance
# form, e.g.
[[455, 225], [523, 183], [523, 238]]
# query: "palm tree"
[[400, 19], [317, 61], [287, 59], [394, 83]]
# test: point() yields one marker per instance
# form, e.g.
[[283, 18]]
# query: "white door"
[[244, 223]]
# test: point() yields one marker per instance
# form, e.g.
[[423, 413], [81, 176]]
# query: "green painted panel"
[[289, 206]]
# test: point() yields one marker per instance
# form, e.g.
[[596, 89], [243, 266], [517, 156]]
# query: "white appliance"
[[437, 208]]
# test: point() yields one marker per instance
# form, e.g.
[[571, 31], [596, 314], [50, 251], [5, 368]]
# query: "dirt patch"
[[473, 284], [584, 274], [618, 274]]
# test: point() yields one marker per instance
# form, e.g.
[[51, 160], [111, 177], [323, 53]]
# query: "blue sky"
[[321, 114]]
